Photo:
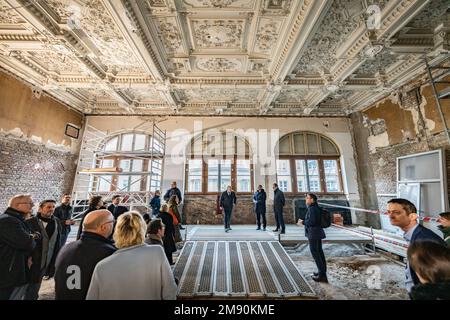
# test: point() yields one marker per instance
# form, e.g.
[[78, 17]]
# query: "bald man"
[[77, 260], [16, 244]]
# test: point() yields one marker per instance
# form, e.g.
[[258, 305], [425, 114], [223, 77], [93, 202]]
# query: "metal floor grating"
[[238, 269]]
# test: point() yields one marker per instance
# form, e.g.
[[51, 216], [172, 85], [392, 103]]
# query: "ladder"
[[437, 73]]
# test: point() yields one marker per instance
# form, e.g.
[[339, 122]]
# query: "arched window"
[[216, 160], [308, 162], [125, 164]]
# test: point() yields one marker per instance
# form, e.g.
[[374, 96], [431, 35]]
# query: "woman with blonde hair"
[[136, 271]]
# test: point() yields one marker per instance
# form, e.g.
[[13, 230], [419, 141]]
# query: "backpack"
[[326, 218]]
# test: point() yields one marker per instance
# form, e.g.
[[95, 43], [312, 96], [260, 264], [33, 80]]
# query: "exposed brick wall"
[[202, 209], [31, 168]]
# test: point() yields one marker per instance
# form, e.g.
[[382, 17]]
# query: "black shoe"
[[181, 228], [259, 228], [229, 228], [282, 232], [320, 279], [264, 229], [226, 230], [275, 230], [315, 274]]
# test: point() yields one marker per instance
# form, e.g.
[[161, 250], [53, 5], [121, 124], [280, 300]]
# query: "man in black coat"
[[115, 208], [64, 213], [47, 247], [259, 199], [77, 260], [314, 232], [278, 204], [227, 202], [403, 214], [174, 191], [16, 244]]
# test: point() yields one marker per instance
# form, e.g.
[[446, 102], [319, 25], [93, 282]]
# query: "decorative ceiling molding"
[[219, 57]]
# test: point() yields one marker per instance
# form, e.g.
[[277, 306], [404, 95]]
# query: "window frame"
[[205, 175], [293, 168], [144, 179]]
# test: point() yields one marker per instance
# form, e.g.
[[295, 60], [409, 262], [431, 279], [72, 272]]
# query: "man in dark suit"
[[64, 213], [314, 232], [403, 214], [114, 207], [278, 204], [259, 199], [227, 202]]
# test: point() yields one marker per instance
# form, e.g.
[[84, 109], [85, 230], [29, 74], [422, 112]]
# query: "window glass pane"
[[332, 176], [284, 145], [137, 165], [225, 174], [213, 175], [139, 142], [111, 145], [135, 184], [243, 176], [104, 183], [123, 183], [107, 163], [284, 175], [127, 142], [299, 144], [300, 166], [313, 147], [125, 165], [195, 175], [328, 147], [313, 173]]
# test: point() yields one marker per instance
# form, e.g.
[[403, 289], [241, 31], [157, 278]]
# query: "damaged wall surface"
[[36, 156], [397, 126]]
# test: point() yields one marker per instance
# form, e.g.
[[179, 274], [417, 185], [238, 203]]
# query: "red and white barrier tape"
[[424, 219]]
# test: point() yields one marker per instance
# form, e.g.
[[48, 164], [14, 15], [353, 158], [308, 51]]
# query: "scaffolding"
[[89, 174], [439, 73]]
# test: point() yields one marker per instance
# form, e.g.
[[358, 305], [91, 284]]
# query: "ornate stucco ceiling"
[[220, 57]]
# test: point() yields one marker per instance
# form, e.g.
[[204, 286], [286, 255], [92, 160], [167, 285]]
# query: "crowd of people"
[[122, 254]]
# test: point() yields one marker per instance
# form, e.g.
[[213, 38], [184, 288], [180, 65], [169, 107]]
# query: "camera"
[[35, 236]]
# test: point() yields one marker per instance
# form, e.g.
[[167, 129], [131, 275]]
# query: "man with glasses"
[[403, 214], [16, 245], [77, 260]]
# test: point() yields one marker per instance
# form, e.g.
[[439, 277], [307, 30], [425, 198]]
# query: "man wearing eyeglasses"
[[16, 245], [76, 261]]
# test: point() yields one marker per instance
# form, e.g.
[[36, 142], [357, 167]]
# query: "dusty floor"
[[352, 275]]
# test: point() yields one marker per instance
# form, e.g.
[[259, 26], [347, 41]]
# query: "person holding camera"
[[16, 245]]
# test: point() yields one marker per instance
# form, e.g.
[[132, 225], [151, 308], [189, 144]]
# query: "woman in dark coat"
[[95, 203], [259, 199], [169, 233]]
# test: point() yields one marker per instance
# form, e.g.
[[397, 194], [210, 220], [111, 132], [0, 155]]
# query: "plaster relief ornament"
[[218, 33], [267, 36], [219, 65], [220, 3], [169, 35]]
